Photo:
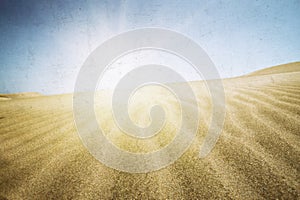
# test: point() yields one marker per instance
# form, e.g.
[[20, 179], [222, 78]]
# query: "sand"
[[256, 157]]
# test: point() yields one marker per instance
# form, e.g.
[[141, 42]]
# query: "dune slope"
[[256, 157]]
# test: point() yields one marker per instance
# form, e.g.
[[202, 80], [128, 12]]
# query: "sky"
[[43, 43]]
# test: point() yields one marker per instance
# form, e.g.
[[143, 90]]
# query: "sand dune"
[[19, 95], [256, 157], [285, 68]]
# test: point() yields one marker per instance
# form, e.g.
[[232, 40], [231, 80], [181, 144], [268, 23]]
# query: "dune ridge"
[[256, 157], [285, 68]]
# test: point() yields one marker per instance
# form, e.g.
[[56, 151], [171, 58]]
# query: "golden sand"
[[256, 157]]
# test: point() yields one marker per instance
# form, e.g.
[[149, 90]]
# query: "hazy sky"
[[44, 43]]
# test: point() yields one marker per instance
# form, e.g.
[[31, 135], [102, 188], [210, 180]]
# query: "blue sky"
[[44, 43]]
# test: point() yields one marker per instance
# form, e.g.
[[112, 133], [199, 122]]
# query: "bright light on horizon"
[[126, 63]]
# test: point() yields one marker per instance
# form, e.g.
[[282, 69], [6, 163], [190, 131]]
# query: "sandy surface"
[[256, 157]]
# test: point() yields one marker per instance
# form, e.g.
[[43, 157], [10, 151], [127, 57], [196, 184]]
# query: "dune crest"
[[20, 95], [285, 68]]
